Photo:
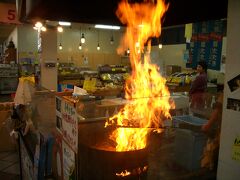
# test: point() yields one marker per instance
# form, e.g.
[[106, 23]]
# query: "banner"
[[206, 44]]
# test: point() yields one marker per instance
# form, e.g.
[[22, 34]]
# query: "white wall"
[[14, 37], [229, 169], [27, 38], [70, 40], [168, 55]]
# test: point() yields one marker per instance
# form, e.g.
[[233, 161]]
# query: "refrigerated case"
[[8, 78]]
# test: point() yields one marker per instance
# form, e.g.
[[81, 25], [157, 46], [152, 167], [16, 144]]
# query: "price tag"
[[236, 149]]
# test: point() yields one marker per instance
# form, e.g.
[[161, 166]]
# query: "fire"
[[149, 98], [138, 170], [124, 173]]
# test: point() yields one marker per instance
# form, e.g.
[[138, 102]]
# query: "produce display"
[[181, 77]]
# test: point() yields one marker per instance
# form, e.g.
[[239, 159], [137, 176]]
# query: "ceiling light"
[[35, 28], [80, 46], [160, 46], [128, 51], [111, 40], [83, 39], [101, 26], [60, 46], [43, 28], [60, 29], [38, 25], [137, 44], [62, 23], [98, 47]]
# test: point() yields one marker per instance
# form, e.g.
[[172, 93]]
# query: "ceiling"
[[97, 11]]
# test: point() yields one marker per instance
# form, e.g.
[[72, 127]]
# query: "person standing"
[[213, 129], [199, 87]]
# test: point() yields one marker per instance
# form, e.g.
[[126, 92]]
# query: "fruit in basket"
[[106, 77]]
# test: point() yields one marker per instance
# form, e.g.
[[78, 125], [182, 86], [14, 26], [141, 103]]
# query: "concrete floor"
[[163, 164], [9, 165]]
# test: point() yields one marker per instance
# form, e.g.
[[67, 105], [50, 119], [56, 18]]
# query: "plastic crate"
[[188, 122], [189, 147]]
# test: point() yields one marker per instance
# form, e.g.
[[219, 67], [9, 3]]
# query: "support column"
[[229, 154], [48, 59]]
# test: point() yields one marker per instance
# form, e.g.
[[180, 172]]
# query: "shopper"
[[213, 129], [199, 86]]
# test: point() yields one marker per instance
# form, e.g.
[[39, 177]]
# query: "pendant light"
[[98, 47], [83, 39], [128, 51], [160, 43], [60, 44], [60, 29], [160, 46], [111, 39], [80, 44]]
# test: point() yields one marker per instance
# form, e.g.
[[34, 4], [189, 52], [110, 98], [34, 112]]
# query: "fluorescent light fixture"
[[101, 26], [62, 23]]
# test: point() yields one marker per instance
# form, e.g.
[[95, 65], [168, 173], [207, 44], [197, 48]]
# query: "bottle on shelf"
[[213, 101]]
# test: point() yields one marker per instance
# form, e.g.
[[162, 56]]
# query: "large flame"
[[149, 98]]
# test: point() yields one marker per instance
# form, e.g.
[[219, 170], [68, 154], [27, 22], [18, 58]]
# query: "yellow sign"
[[188, 31], [236, 149], [89, 84]]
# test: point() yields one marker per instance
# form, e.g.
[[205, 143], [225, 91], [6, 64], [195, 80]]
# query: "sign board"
[[8, 13], [89, 84], [70, 124], [69, 168]]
